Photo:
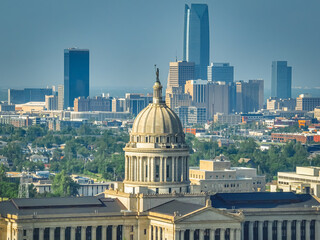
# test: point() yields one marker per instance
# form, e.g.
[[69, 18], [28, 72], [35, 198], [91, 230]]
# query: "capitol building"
[[155, 202]]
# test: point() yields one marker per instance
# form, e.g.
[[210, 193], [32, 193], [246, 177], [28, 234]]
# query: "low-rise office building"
[[217, 175], [303, 180]]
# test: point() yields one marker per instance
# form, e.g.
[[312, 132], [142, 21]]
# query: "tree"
[[64, 186]]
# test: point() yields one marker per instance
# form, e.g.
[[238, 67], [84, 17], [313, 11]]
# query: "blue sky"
[[126, 38]]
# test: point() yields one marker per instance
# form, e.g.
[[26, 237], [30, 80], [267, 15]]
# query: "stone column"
[[136, 169], [191, 233], [126, 168], [201, 234], [83, 232], [222, 233], [62, 233], [41, 233], [161, 169], [149, 172], [242, 230], [307, 230], [152, 169], [270, 229], [298, 230], [279, 230], [103, 232], [289, 233], [114, 232], [51, 233], [20, 234], [212, 231], [251, 230], [159, 233], [131, 169], [30, 234], [176, 235], [141, 169], [232, 232], [93, 232], [176, 168], [73, 233], [144, 178], [260, 230], [173, 169], [182, 232], [165, 169], [182, 169], [317, 229], [238, 234]]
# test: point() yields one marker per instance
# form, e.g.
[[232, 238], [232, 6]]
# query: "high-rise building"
[[76, 75], [197, 90], [51, 102], [179, 73], [60, 97], [247, 96], [307, 103], [260, 82], [217, 98], [135, 102], [281, 79], [220, 72], [196, 42]]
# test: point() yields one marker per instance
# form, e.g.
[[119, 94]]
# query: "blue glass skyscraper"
[[76, 75], [196, 42], [281, 80]]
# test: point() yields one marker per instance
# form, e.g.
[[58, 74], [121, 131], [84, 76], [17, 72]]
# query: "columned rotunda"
[[156, 157]]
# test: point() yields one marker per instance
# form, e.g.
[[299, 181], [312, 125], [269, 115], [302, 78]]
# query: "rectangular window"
[[168, 169]]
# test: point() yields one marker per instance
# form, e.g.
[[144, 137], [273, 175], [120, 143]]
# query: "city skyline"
[[115, 35]]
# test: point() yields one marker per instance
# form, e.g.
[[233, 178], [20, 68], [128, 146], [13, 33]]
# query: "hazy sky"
[[127, 37]]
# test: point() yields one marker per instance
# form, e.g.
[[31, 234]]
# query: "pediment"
[[210, 214]]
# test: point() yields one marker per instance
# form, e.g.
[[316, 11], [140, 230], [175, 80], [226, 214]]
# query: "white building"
[[303, 180], [217, 176]]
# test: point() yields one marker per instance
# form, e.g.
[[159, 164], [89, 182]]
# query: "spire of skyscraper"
[[196, 42]]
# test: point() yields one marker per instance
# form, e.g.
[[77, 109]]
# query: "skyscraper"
[[220, 72], [76, 75], [281, 80], [179, 73], [196, 42], [248, 96]]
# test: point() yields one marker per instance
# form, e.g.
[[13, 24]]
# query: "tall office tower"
[[247, 96], [196, 42], [60, 97], [220, 72], [260, 82], [179, 73], [76, 75], [51, 102], [217, 98], [281, 80], [197, 90]]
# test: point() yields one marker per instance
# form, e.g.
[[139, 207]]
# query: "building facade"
[[220, 72], [196, 43], [281, 79], [307, 103], [76, 75], [303, 180]]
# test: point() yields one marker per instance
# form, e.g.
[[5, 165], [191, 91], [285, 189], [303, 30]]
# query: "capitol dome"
[[157, 119]]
